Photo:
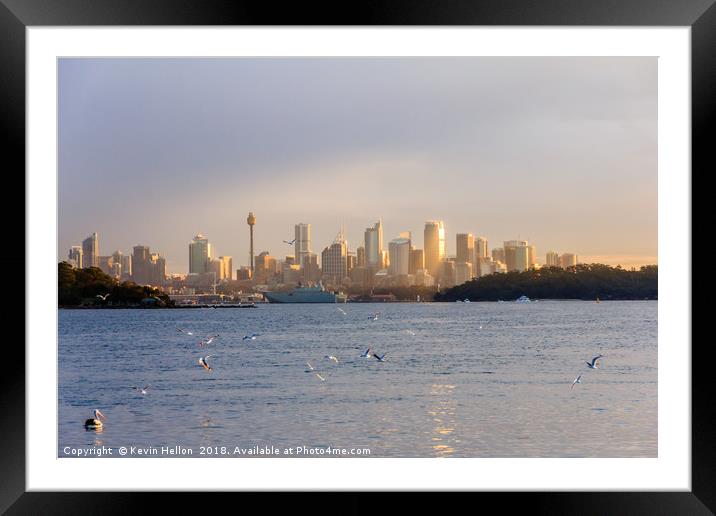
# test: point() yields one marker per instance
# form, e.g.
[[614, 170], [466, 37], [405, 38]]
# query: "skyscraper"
[[140, 265], [303, 242], [75, 256], [481, 250], [334, 261], [531, 256], [374, 245], [360, 257], [434, 244], [465, 243], [498, 254], [463, 272], [552, 259], [251, 221], [226, 271], [568, 260], [90, 251], [516, 255], [199, 255], [399, 251], [417, 260]]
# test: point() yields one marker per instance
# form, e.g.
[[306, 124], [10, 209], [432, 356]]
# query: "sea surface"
[[459, 380]]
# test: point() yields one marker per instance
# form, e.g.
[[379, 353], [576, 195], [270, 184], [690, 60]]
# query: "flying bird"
[[310, 367], [593, 363], [250, 337], [341, 310], [331, 357], [291, 242], [203, 363], [185, 332], [104, 297], [578, 379], [410, 332], [320, 377], [380, 358], [96, 421], [207, 340], [141, 390], [366, 353]]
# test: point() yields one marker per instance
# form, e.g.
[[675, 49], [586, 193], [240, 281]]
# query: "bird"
[[104, 297], [366, 353], [250, 337], [331, 357], [374, 316], [203, 363], [185, 332], [320, 377], [96, 421], [481, 326], [310, 367], [578, 379], [341, 310], [410, 332], [380, 358], [291, 242], [141, 390], [593, 363], [207, 340]]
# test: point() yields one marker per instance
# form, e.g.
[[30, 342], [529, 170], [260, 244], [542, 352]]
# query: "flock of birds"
[[96, 422]]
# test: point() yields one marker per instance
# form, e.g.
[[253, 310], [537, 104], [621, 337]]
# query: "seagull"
[[331, 357], [104, 297], [96, 421], [250, 337], [593, 363], [578, 379], [185, 332], [141, 390], [341, 310], [380, 358], [291, 242], [366, 354], [207, 340], [374, 316], [410, 332], [320, 377], [204, 364], [310, 367]]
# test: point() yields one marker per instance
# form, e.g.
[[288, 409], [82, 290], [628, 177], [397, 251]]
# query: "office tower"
[[75, 256], [552, 259], [385, 259], [374, 246], [423, 278], [446, 274], [434, 246], [531, 256], [417, 260], [90, 251], [105, 264], [264, 268], [498, 254], [516, 255], [485, 266], [157, 270], [243, 273], [140, 264], [225, 268], [351, 260], [126, 265], [251, 221], [465, 246], [199, 255], [360, 257], [302, 243], [463, 272], [481, 250], [399, 251], [311, 270], [334, 261], [568, 260]]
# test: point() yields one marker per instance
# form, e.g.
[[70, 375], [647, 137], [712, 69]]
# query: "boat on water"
[[523, 299], [306, 294]]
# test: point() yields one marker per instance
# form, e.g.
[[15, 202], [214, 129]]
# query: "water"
[[451, 390]]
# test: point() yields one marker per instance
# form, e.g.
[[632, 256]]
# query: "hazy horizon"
[[558, 151]]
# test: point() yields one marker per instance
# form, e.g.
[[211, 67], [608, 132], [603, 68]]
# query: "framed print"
[[413, 251]]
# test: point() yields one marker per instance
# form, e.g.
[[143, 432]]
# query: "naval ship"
[[303, 294]]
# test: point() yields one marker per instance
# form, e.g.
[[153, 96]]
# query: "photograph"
[[357, 257]]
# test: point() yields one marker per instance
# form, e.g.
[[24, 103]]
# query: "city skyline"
[[556, 151]]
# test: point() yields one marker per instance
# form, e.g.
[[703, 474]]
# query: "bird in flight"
[[320, 377], [341, 310], [309, 366], [207, 340], [203, 363], [578, 379], [141, 390], [593, 363], [380, 358], [104, 297], [185, 332], [331, 357], [410, 332], [250, 337], [291, 242], [366, 353]]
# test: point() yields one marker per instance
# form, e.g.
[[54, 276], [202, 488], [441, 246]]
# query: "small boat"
[[466, 300], [523, 299]]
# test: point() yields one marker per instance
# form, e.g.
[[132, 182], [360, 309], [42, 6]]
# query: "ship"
[[304, 294]]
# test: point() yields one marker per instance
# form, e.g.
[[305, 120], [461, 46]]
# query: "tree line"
[[583, 281]]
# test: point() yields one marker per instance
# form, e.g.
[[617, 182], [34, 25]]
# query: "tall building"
[[311, 270], [531, 256], [498, 254], [140, 264], [90, 251], [434, 246], [226, 271], [516, 255], [399, 251], [552, 259], [465, 245], [463, 272], [334, 261], [374, 245], [199, 255], [75, 256], [126, 263], [302, 243], [481, 250], [417, 260], [264, 268], [568, 260], [360, 257], [251, 221], [446, 274]]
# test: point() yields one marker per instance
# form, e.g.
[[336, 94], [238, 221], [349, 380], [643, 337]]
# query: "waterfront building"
[[465, 247], [552, 259], [417, 260], [516, 255], [423, 278], [568, 260], [199, 255], [74, 257], [334, 261], [434, 246], [446, 274], [90, 251], [399, 261], [463, 272], [311, 270]]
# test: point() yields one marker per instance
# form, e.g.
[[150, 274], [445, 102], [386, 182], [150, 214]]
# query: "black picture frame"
[[16, 15]]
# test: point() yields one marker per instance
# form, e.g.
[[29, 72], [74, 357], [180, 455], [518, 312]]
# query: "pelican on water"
[[96, 421], [366, 353], [593, 363], [203, 363], [141, 390], [578, 379]]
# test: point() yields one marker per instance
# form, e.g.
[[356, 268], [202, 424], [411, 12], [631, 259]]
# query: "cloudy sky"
[[558, 151]]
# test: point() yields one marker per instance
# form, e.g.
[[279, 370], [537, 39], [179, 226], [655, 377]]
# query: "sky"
[[558, 151]]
